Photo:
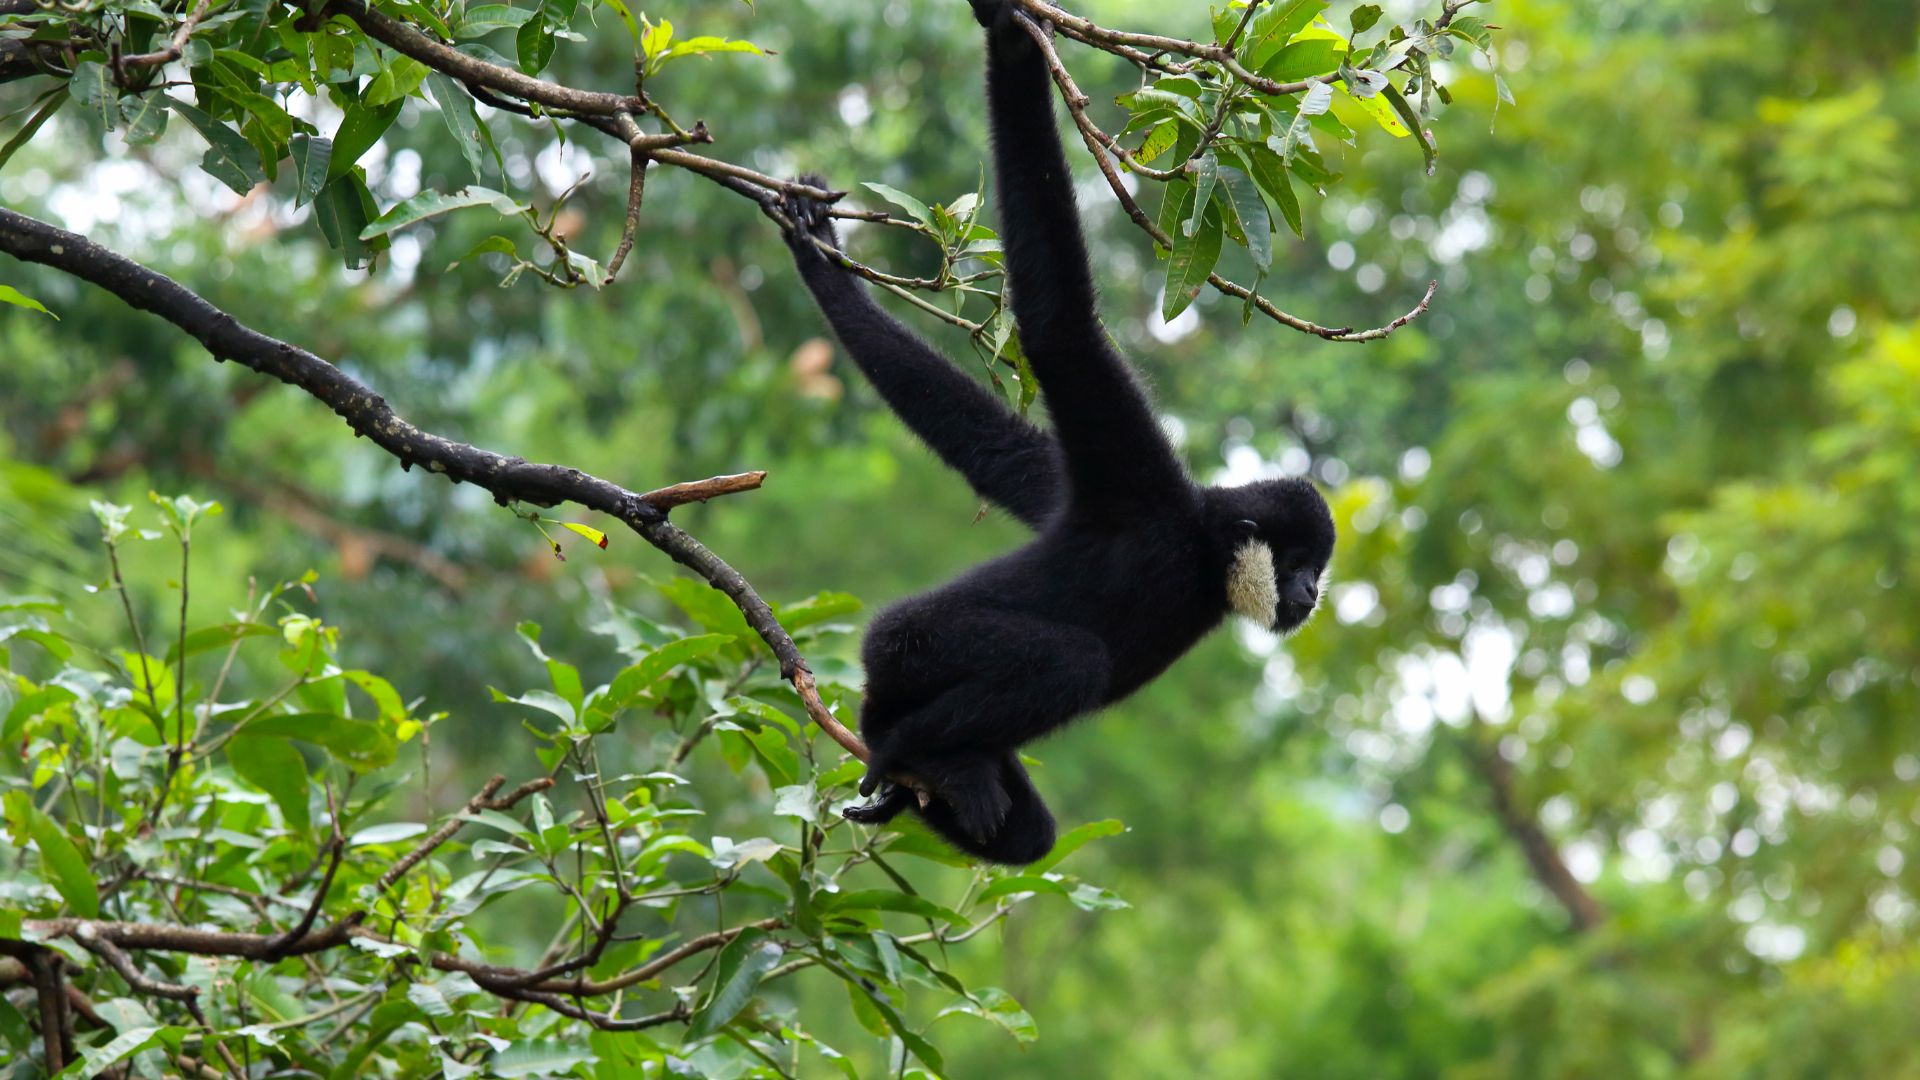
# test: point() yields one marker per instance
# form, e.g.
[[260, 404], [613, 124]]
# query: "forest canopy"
[[1593, 322]]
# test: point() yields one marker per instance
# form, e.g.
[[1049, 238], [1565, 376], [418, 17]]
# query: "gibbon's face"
[[1280, 554]]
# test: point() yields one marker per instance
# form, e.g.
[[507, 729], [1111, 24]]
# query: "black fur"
[[1129, 565]]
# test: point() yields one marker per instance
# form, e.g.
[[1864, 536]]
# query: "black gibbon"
[[1132, 562]]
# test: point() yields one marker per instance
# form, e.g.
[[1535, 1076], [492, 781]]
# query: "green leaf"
[[213, 637], [626, 16], [653, 43], [390, 833], [1021, 883], [1074, 840], [889, 900], [11, 295], [491, 245], [1174, 205], [796, 800], [904, 201], [432, 204], [997, 1007], [1273, 27], [817, 608], [340, 210], [1192, 262], [635, 680], [543, 1057], [275, 767], [913, 1040], [92, 87], [359, 745], [1158, 141], [50, 103], [311, 156], [359, 129], [65, 868], [456, 108], [385, 697], [1304, 60], [1400, 106], [1094, 898], [400, 79], [742, 964], [704, 46], [1204, 170], [483, 19], [229, 159], [145, 116], [98, 1059], [534, 44], [1251, 209], [1364, 17], [705, 605], [1271, 174]]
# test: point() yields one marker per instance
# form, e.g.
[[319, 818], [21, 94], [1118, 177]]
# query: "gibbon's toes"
[[979, 810]]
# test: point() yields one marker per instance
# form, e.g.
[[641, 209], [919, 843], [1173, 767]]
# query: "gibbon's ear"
[[1245, 527]]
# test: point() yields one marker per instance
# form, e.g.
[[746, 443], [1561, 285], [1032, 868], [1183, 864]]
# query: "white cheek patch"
[[1253, 588]]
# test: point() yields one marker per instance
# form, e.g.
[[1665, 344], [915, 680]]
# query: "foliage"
[[1651, 445], [149, 805]]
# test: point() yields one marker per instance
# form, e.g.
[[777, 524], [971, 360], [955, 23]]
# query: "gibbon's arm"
[[1007, 460], [1116, 452]]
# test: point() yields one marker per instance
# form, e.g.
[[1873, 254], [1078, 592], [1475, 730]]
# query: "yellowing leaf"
[[1382, 112], [599, 538]]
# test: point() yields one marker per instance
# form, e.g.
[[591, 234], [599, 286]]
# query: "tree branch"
[[1097, 141], [111, 941], [508, 479], [1542, 855], [700, 491], [483, 800]]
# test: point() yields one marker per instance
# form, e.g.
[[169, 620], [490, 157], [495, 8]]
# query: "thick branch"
[[111, 941], [1542, 856], [508, 479]]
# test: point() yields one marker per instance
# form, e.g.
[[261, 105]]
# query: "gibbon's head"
[[1278, 537]]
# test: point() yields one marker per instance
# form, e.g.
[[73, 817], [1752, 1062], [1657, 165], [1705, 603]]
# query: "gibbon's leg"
[[1026, 830], [1005, 679]]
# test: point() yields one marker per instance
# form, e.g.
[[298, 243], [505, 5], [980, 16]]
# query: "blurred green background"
[[1602, 761]]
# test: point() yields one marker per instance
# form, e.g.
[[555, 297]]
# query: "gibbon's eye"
[[1246, 527]]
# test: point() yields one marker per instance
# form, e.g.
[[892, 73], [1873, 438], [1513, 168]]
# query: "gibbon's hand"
[[998, 17], [809, 218], [993, 14]]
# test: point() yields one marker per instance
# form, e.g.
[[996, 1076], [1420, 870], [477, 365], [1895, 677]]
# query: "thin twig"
[[700, 491], [484, 800], [1077, 103]]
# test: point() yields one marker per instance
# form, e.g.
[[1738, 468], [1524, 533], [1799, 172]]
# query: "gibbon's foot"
[[978, 810], [891, 800]]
